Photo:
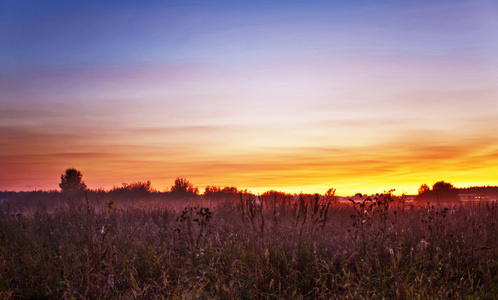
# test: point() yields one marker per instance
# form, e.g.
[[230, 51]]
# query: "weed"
[[266, 247]]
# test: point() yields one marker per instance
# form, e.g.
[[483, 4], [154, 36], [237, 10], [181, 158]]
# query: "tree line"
[[72, 186], [441, 191]]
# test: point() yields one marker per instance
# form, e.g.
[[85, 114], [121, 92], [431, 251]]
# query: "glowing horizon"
[[292, 96]]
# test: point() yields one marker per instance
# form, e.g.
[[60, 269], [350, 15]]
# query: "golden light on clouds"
[[207, 157]]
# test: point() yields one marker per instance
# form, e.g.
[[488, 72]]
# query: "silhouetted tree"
[[71, 182], [445, 192], [442, 186], [140, 187], [211, 190], [273, 193], [218, 193], [183, 187], [133, 191], [441, 192], [423, 188]]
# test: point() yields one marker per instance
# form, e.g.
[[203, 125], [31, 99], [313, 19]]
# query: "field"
[[273, 248]]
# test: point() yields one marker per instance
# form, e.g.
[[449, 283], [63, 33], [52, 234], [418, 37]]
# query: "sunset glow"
[[285, 95]]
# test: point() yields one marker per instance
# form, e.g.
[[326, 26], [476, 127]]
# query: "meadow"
[[274, 247]]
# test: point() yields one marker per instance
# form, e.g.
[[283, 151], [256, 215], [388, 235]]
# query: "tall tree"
[[71, 182], [183, 187], [445, 192]]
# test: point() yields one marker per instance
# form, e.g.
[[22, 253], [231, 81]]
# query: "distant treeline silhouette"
[[73, 187]]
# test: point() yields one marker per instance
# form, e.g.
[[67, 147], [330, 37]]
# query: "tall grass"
[[268, 248]]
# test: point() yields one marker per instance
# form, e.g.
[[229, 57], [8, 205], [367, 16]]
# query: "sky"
[[296, 96]]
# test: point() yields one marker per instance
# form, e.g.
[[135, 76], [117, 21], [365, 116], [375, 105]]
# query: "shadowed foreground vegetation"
[[275, 248]]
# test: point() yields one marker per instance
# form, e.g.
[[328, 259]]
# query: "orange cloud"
[[202, 154]]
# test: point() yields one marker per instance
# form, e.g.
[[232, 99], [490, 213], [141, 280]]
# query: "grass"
[[308, 248]]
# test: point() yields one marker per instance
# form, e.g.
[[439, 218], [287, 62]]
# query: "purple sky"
[[289, 95]]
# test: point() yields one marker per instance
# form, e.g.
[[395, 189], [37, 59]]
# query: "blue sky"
[[289, 95]]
